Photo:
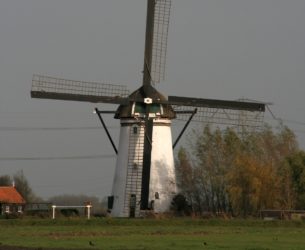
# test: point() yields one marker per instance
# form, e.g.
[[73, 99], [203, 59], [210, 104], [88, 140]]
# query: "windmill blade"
[[220, 116], [211, 103], [46, 87], [230, 113], [160, 35]]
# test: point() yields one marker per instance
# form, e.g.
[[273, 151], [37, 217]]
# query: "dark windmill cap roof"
[[125, 110]]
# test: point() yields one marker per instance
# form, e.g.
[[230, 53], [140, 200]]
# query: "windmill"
[[145, 175]]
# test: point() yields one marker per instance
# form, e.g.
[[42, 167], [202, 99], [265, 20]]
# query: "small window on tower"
[[135, 165], [157, 197], [135, 130]]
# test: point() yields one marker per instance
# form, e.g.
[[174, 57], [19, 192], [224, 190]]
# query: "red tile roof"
[[10, 195]]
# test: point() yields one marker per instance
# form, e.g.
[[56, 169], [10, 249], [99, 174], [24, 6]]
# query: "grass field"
[[136, 234]]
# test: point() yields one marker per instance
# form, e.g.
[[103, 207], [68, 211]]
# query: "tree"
[[210, 168], [252, 186], [238, 173], [296, 165], [23, 187], [5, 180], [185, 175]]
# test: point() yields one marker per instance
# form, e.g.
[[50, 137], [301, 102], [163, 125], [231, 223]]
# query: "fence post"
[[88, 211], [53, 211]]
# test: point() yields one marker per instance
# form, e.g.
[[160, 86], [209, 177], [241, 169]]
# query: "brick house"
[[11, 202]]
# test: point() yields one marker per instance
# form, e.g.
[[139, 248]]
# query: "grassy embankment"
[[147, 234]]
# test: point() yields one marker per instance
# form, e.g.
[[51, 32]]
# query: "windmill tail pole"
[[184, 128], [149, 42], [107, 132]]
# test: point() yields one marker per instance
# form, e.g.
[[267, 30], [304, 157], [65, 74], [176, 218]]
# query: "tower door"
[[132, 205]]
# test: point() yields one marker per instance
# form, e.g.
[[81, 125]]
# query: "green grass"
[[140, 234]]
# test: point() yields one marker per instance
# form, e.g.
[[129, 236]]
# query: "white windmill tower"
[[145, 175]]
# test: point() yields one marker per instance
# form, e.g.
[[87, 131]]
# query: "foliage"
[[239, 173], [252, 186], [296, 168], [180, 205], [5, 180], [23, 187]]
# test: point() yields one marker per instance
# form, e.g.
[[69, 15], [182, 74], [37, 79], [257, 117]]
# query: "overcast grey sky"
[[224, 49]]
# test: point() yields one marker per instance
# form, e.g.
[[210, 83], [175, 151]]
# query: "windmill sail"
[[62, 89], [231, 113], [160, 35]]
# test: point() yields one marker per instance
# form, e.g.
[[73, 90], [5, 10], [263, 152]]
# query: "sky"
[[220, 49]]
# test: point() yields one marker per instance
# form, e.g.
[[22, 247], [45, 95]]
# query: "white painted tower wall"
[[162, 171], [128, 172]]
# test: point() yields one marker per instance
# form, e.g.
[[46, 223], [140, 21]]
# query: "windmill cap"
[[145, 95]]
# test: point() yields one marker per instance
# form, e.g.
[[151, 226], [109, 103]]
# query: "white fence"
[[88, 208]]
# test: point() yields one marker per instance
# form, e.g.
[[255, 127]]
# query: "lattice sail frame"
[[64, 89], [159, 50], [241, 119]]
